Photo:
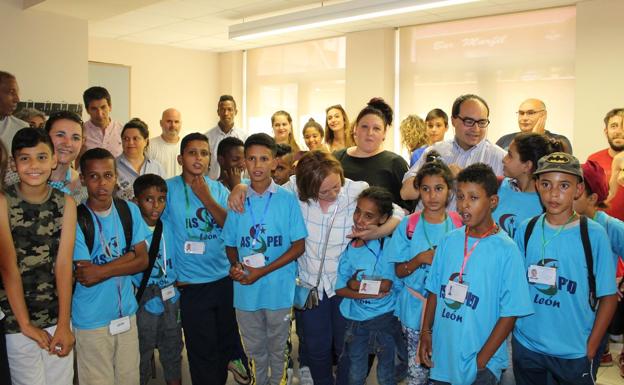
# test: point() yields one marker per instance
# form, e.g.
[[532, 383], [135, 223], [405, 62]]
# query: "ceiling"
[[203, 24]]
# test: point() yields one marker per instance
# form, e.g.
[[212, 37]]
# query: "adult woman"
[[133, 162], [338, 133], [414, 136], [65, 131], [327, 200], [283, 131], [367, 160], [313, 135]]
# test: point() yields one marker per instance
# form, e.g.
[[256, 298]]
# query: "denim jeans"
[[376, 336], [484, 377]]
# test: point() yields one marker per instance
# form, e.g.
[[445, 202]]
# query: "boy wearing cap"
[[561, 339], [591, 204]]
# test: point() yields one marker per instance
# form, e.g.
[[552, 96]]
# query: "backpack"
[[589, 258], [85, 221], [415, 217]]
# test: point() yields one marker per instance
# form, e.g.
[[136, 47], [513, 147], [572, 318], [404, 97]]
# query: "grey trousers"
[[265, 334]]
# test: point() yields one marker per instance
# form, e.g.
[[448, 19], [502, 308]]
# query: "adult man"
[[226, 109], [614, 131], [100, 130], [532, 118], [470, 120], [166, 147], [9, 97]]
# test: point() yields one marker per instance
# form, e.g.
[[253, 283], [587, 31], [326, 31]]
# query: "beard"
[[614, 146]]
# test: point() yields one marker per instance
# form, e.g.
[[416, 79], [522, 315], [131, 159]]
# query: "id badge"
[[167, 292], [370, 286], [543, 275], [194, 247], [119, 325], [254, 260], [456, 291]]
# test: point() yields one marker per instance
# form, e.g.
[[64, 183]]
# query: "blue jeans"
[[377, 336], [484, 377], [323, 329]]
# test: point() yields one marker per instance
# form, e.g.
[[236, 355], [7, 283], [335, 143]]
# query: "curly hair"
[[413, 132]]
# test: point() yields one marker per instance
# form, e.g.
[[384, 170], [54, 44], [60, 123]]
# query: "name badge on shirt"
[[542, 274], [254, 260], [456, 291], [370, 286], [194, 247], [119, 325], [167, 292]]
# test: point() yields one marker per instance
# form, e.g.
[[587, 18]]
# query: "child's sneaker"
[[606, 360], [239, 372], [305, 377]]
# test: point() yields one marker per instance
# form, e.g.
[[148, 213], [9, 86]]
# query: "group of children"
[[515, 256]]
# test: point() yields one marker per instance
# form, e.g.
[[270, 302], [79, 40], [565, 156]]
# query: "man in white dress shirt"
[[226, 109], [166, 147]]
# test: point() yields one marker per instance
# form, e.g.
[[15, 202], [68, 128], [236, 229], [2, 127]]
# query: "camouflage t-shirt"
[[36, 230]]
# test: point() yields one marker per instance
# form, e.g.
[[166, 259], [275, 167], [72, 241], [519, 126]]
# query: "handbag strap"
[[331, 224]]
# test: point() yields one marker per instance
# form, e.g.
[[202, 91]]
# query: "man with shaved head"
[[166, 147], [532, 118]]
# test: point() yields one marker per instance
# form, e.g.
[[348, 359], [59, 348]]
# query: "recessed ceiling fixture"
[[331, 15]]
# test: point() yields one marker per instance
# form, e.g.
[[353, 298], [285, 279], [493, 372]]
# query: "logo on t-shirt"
[[259, 241], [452, 307], [507, 222], [202, 220], [112, 250], [561, 283]]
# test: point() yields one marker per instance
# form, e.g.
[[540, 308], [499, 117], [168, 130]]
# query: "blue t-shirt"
[[194, 223], [277, 215], [514, 207], [497, 287], [563, 319], [401, 249], [615, 230], [369, 258], [416, 154], [96, 306]]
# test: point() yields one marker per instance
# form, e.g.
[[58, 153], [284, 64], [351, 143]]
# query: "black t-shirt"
[[385, 169]]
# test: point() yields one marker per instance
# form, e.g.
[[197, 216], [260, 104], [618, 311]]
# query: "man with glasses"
[[532, 118], [470, 119]]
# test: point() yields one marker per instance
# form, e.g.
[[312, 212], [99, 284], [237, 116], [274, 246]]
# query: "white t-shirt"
[[215, 136], [166, 154], [9, 125]]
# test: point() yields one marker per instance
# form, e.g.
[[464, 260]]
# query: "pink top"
[[110, 139]]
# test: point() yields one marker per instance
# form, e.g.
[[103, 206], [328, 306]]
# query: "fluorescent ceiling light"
[[331, 15]]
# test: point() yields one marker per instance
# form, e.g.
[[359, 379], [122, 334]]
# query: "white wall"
[[163, 77], [46, 52]]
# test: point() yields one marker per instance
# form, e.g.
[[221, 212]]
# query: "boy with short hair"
[[195, 203], [157, 317], [284, 168], [477, 289], [110, 246], [262, 244], [37, 232], [231, 158], [562, 339]]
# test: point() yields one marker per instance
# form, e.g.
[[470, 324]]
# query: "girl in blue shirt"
[[365, 280], [411, 250]]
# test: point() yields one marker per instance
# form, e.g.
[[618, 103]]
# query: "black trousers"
[[5, 373]]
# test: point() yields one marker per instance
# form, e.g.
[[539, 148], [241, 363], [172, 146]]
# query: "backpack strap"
[[528, 231], [411, 224], [85, 222], [152, 253], [589, 260], [123, 210], [455, 218]]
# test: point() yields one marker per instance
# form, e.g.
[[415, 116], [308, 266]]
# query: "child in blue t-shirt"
[[517, 198], [262, 245], [196, 209], [365, 279], [104, 305], [477, 289], [157, 317], [411, 250], [561, 340]]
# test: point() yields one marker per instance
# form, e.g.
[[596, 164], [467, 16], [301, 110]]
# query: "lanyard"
[[107, 250], [446, 228], [376, 254], [188, 212], [258, 225], [545, 242], [468, 253]]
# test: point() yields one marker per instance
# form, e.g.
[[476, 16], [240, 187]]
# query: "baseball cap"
[[595, 179], [559, 162]]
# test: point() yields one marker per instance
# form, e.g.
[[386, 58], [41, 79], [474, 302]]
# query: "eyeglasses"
[[470, 122], [529, 113]]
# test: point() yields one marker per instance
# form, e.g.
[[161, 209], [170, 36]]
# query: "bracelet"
[[426, 331]]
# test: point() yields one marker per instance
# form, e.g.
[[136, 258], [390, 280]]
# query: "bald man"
[[166, 147], [532, 118]]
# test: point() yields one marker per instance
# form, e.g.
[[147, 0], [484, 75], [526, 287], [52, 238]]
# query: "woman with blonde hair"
[[338, 130], [281, 121]]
